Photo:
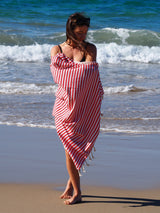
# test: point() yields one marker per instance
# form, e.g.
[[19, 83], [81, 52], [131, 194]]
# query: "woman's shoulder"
[[55, 50], [91, 52]]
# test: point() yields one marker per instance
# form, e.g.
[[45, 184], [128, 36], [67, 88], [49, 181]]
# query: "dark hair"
[[76, 20]]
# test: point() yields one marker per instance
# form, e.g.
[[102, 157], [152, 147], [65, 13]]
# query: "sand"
[[32, 198], [124, 176]]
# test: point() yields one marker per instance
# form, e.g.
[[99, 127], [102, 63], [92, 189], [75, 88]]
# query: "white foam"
[[121, 32], [8, 88], [19, 124], [106, 53], [130, 131], [23, 88], [130, 119], [115, 54], [25, 53], [122, 89], [148, 119], [102, 129], [118, 89]]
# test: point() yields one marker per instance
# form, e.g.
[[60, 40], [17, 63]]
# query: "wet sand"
[[123, 177]]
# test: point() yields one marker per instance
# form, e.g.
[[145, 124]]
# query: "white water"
[[107, 53], [130, 76], [8, 88], [115, 54], [26, 89]]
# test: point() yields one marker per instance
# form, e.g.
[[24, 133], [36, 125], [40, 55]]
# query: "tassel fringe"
[[91, 157]]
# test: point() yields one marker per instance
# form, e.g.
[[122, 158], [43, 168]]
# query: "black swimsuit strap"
[[84, 58], [60, 48]]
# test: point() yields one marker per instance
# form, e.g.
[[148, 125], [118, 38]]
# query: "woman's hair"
[[76, 20]]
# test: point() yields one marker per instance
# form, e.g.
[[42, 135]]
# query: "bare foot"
[[68, 193], [73, 200]]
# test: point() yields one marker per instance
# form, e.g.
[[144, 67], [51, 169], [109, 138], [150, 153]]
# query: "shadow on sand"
[[133, 202]]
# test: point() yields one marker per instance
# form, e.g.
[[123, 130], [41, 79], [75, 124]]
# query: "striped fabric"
[[77, 105]]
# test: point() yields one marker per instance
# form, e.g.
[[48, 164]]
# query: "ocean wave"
[[20, 124], [106, 53], [27, 53], [130, 131], [131, 119], [9, 88], [122, 89], [124, 36], [102, 129], [115, 54], [15, 39], [120, 36]]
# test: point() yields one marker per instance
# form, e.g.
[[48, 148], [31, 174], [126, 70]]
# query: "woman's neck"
[[72, 43]]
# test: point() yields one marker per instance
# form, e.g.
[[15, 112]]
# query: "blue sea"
[[127, 36]]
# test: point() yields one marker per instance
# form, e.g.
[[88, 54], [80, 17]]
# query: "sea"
[[127, 36]]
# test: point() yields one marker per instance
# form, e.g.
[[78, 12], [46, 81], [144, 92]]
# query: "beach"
[[123, 177], [24, 198]]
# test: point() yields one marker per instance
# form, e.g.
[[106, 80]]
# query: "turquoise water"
[[123, 13], [127, 36]]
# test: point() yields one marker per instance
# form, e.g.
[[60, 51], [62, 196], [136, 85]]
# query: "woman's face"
[[81, 32]]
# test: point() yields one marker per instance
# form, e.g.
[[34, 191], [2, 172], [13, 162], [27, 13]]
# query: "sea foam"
[[122, 89], [115, 54], [26, 89], [30, 53], [21, 88], [106, 53]]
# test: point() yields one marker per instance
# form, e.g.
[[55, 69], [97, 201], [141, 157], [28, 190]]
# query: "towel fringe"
[[87, 164], [83, 169], [79, 172], [91, 157]]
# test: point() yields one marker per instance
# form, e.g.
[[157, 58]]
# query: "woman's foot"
[[73, 200], [68, 193]]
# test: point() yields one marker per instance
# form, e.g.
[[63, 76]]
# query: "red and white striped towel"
[[77, 105]]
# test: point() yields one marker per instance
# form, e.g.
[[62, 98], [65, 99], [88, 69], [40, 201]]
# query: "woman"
[[78, 99]]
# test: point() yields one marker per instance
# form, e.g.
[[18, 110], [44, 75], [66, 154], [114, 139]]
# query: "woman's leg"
[[74, 179]]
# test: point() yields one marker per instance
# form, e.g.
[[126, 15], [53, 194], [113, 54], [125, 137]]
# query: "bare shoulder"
[[55, 50], [91, 52]]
